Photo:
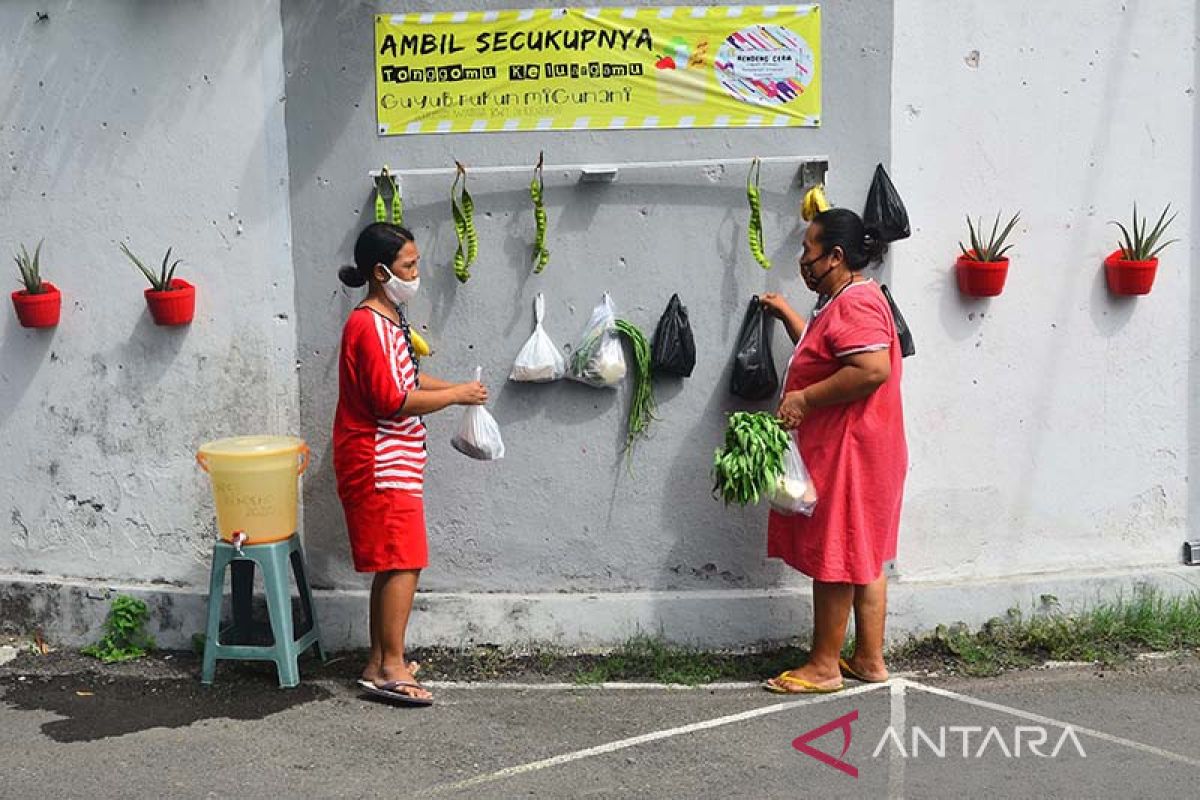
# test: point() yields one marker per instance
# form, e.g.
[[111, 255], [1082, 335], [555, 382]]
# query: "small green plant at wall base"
[[161, 281], [992, 248], [1143, 246], [125, 636], [30, 267]]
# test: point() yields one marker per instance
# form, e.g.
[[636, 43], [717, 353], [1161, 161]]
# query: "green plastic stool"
[[273, 559]]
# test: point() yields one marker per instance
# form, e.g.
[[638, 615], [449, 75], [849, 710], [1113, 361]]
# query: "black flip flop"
[[388, 692]]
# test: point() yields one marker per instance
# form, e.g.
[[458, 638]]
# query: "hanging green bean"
[[462, 207], [537, 187], [468, 209], [754, 229], [397, 203], [380, 205]]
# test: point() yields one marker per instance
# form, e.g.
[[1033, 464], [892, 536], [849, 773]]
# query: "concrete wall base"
[[71, 612]]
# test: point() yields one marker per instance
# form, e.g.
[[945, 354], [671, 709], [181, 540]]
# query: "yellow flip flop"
[[849, 672], [805, 687]]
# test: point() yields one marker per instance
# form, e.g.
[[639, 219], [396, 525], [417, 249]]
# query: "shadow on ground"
[[94, 706]]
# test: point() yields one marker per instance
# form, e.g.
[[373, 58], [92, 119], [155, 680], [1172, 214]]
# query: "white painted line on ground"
[[613, 685], [897, 688], [899, 724], [621, 744], [1016, 712], [617, 685]]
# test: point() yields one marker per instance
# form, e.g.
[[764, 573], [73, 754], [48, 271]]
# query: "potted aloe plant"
[[982, 270], [39, 304], [172, 300], [1130, 270]]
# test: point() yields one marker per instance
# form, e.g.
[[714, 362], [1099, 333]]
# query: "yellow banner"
[[598, 68]]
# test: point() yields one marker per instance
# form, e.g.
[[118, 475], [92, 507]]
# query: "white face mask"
[[398, 291]]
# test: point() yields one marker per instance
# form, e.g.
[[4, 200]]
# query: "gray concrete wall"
[[562, 512], [157, 124], [1051, 429]]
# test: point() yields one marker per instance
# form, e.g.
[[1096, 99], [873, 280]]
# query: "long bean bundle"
[[642, 406], [752, 459]]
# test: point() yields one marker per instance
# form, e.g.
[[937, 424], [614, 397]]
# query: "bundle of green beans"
[[462, 207], [754, 229], [642, 406], [752, 459]]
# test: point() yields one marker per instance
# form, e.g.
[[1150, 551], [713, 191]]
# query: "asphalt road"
[[1133, 732]]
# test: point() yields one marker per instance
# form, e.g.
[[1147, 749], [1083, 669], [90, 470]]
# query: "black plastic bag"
[[754, 376], [673, 350], [907, 348], [885, 210]]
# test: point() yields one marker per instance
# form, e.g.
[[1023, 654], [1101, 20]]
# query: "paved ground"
[[1136, 733]]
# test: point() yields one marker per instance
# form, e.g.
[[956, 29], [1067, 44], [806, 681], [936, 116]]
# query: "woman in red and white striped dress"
[[379, 446]]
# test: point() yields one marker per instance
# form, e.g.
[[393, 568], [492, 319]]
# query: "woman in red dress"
[[841, 398], [379, 447]]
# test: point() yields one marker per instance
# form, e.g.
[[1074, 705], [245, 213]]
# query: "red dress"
[[856, 452], [378, 451]]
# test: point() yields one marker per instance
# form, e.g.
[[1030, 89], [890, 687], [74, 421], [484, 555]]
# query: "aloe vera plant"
[[161, 281], [1143, 246], [30, 267], [992, 248]]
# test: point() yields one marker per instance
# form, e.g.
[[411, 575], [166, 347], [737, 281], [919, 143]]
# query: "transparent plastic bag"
[[794, 492], [539, 360], [478, 434], [599, 360]]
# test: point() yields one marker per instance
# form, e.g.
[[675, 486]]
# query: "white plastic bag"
[[793, 492], [539, 360], [598, 360], [478, 435]]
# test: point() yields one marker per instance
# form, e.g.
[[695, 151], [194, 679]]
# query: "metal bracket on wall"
[[383, 182], [810, 171]]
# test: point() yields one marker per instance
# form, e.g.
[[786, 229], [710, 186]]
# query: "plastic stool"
[[272, 559]]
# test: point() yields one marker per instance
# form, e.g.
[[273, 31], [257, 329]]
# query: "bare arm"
[[427, 401], [860, 375]]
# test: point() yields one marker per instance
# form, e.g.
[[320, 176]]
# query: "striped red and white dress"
[[379, 452]]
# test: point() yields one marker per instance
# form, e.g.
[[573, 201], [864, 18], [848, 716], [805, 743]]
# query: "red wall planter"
[[174, 307], [1129, 277], [38, 310], [980, 278]]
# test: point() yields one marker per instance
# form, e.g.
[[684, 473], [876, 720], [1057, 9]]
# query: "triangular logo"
[[801, 743]]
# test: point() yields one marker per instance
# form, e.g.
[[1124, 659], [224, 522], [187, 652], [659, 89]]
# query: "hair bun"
[[873, 245], [351, 276]]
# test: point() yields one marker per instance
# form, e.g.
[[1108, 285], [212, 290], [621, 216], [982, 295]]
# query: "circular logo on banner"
[[765, 64]]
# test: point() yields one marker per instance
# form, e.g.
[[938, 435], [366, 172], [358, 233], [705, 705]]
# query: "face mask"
[[398, 291], [813, 282]]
